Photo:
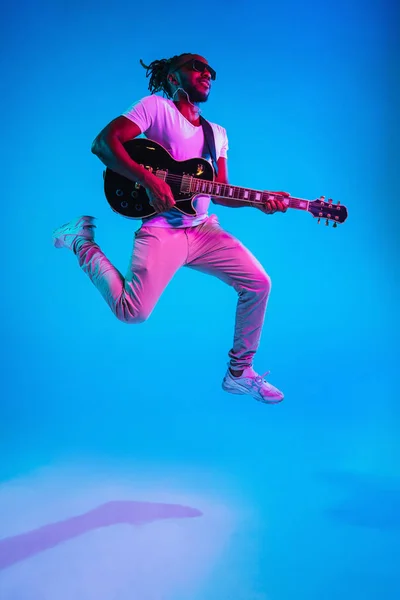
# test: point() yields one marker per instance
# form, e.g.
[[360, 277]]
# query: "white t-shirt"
[[159, 120]]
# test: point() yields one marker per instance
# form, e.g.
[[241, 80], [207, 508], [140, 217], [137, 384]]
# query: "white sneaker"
[[252, 384], [66, 235]]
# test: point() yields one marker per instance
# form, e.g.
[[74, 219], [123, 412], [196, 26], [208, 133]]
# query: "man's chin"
[[199, 97]]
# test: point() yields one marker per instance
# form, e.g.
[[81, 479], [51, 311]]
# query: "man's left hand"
[[277, 203]]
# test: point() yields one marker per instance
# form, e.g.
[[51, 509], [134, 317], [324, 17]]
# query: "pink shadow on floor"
[[20, 547]]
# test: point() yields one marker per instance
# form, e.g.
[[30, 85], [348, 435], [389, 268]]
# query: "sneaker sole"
[[240, 393]]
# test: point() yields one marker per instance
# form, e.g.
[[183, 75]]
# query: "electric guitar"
[[190, 178]]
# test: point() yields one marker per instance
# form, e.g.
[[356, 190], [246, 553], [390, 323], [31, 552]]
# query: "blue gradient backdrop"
[[301, 500]]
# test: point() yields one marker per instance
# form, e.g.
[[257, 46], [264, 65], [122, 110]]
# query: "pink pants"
[[159, 252]]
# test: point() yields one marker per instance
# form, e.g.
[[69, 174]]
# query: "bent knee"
[[133, 320], [127, 314], [263, 282]]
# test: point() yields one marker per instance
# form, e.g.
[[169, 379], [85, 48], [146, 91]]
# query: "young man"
[[170, 239]]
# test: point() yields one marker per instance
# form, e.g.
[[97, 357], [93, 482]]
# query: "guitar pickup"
[[186, 184]]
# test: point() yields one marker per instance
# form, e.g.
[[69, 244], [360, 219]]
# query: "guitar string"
[[293, 202], [178, 179]]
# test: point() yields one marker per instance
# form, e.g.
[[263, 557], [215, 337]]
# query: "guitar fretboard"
[[227, 191]]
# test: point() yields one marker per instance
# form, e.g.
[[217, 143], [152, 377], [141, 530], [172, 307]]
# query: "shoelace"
[[260, 378]]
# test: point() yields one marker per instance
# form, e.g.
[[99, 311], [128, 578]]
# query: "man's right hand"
[[159, 193]]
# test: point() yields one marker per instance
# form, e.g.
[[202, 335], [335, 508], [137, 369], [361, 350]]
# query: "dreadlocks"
[[158, 72]]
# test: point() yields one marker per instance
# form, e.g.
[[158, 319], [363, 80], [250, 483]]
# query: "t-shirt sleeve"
[[225, 144], [143, 112]]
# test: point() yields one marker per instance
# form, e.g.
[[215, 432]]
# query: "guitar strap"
[[209, 143]]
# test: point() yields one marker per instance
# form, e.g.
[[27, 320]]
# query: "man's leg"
[[158, 253], [216, 252]]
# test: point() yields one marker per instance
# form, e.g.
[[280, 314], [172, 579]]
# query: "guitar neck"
[[246, 195]]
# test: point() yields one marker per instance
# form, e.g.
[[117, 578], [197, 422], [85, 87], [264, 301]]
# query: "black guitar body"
[[130, 199]]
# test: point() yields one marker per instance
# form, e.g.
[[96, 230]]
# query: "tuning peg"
[[319, 220], [338, 202], [327, 222], [335, 224]]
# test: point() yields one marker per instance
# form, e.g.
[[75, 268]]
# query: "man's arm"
[[108, 147]]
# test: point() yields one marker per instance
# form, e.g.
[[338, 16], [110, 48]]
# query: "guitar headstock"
[[327, 210]]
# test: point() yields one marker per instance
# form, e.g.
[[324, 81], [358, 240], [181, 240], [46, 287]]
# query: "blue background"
[[307, 95]]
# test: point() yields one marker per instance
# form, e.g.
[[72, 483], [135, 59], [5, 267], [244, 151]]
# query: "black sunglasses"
[[198, 65]]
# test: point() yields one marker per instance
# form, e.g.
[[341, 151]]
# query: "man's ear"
[[172, 79]]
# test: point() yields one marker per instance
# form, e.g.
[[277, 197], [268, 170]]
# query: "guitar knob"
[[327, 222], [335, 224]]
